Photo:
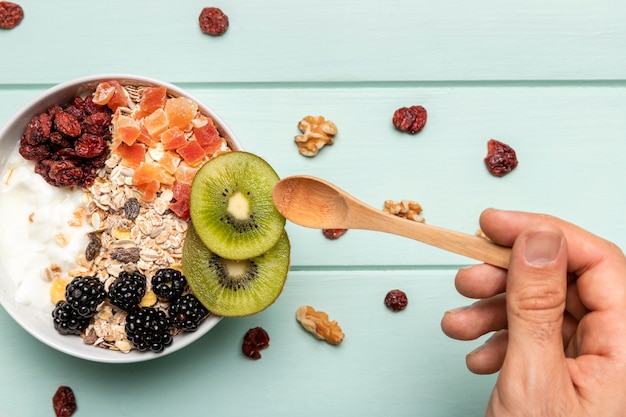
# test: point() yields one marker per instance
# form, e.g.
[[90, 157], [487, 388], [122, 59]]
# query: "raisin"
[[333, 234], [396, 300], [255, 340], [410, 119], [131, 208], [501, 158], [125, 255], [93, 247], [67, 124], [11, 14], [213, 21], [64, 402]]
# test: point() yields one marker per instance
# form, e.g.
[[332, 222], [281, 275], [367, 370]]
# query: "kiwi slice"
[[232, 208], [233, 288]]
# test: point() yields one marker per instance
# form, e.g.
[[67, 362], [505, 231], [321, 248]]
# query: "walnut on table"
[[316, 133], [318, 324]]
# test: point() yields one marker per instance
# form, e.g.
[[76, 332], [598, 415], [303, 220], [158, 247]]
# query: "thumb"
[[536, 289]]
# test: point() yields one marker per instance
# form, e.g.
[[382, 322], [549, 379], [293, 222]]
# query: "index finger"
[[600, 265]]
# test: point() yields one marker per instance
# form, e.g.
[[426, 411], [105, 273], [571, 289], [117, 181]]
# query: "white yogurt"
[[35, 231]]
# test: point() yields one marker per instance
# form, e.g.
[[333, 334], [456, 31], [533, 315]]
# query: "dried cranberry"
[[255, 340], [410, 119], [213, 21], [60, 173], [500, 159], [333, 234], [67, 124], [69, 142], [11, 14], [396, 300], [90, 146], [34, 152], [64, 402]]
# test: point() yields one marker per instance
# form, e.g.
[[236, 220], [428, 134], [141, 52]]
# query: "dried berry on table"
[[333, 234], [501, 158], [64, 402], [317, 132], [396, 300], [213, 21], [11, 14], [255, 340], [410, 119], [318, 324]]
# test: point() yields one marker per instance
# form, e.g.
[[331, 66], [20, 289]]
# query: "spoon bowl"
[[315, 203]]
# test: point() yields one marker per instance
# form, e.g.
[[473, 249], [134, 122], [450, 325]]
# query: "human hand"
[[559, 317]]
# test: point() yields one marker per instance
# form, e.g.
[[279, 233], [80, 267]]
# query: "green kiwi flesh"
[[231, 205], [234, 288]]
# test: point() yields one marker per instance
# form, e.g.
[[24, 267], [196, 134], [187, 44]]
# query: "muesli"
[[135, 201]]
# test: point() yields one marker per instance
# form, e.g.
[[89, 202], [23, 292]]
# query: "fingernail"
[[542, 247]]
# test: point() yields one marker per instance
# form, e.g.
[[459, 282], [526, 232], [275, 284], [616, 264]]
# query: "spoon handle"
[[460, 243]]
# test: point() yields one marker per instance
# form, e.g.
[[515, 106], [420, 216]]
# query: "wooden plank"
[[569, 142], [400, 361], [320, 40]]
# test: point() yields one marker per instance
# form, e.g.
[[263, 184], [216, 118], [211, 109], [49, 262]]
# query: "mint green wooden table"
[[546, 77]]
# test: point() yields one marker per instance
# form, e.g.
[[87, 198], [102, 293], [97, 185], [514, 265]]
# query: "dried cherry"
[[64, 402], [410, 119], [213, 21], [333, 234], [396, 300], [11, 14], [255, 340], [501, 158]]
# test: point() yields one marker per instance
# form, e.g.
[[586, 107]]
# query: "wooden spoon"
[[315, 203]]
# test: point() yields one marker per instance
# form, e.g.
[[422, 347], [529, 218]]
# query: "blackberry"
[[127, 290], [168, 284], [148, 329], [187, 313], [84, 295], [67, 320]]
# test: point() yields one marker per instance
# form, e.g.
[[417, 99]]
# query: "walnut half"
[[317, 323], [316, 133]]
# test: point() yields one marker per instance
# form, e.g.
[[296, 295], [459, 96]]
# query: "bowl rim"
[[70, 88]]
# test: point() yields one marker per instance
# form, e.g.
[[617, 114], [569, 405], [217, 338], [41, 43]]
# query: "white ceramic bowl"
[[35, 321]]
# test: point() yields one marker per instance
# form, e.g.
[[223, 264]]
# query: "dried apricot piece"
[[126, 129], [180, 111], [173, 138], [152, 98], [156, 122], [132, 155], [192, 152]]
